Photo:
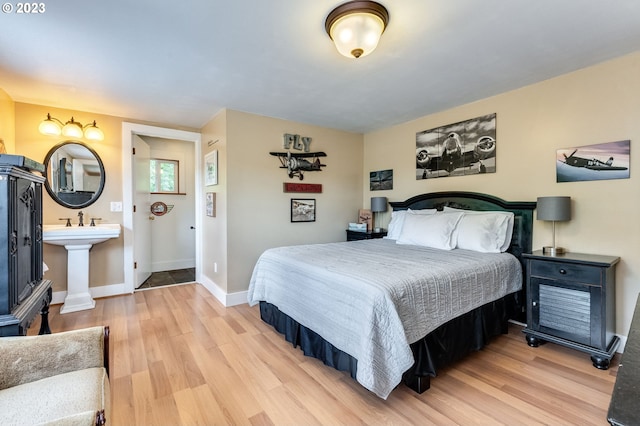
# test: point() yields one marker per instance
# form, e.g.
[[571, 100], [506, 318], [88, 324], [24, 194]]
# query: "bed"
[[397, 310]]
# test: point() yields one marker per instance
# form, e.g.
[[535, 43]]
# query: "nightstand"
[[355, 235], [571, 301]]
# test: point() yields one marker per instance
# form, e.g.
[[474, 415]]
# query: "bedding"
[[397, 221], [372, 298], [488, 231], [435, 231]]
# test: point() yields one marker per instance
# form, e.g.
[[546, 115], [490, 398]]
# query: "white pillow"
[[397, 219], [491, 233], [433, 230], [482, 232]]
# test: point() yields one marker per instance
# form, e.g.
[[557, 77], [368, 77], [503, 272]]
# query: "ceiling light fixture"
[[356, 26], [71, 129]]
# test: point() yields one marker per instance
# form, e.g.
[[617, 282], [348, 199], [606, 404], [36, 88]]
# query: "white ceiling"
[[180, 62]]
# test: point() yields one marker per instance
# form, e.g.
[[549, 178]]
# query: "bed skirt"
[[443, 346]]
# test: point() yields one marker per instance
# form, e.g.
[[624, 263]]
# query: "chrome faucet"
[[80, 216]]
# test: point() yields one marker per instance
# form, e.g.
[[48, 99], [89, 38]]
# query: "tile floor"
[[178, 276]]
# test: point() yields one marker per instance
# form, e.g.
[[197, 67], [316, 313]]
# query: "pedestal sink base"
[[78, 296], [78, 241]]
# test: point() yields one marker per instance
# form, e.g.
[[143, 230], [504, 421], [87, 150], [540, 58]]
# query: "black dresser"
[[571, 301], [23, 292], [357, 235]]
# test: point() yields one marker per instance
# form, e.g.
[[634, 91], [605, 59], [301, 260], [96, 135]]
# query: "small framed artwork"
[[159, 208], [380, 180], [303, 210], [365, 216], [603, 161], [211, 168], [211, 204]]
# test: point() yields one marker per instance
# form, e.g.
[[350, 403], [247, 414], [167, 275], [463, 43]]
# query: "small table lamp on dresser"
[[378, 205], [554, 209]]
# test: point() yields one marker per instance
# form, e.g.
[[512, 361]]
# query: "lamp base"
[[553, 251]]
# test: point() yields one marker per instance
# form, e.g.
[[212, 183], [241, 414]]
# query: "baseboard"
[[96, 292], [173, 265], [226, 299]]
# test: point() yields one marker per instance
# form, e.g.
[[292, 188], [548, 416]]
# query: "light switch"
[[116, 206]]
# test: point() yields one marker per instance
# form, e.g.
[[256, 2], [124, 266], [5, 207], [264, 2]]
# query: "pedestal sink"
[[78, 240]]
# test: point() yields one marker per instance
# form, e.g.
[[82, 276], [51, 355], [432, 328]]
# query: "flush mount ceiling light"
[[356, 26], [71, 129]]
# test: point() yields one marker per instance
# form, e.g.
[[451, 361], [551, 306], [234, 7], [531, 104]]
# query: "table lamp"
[[554, 209], [378, 205]]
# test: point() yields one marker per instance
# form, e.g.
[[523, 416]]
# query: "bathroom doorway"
[[168, 172], [137, 215]]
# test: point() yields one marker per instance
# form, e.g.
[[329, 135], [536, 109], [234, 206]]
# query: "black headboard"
[[521, 241]]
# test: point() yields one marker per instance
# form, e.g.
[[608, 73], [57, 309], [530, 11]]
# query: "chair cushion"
[[69, 398]]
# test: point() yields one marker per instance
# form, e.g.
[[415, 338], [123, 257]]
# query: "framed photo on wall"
[[211, 204], [211, 168], [303, 210]]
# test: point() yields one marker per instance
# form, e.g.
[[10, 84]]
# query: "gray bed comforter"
[[373, 298]]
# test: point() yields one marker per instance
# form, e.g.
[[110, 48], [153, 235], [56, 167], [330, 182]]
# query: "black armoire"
[[23, 292]]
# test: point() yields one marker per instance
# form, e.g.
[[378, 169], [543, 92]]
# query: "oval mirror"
[[75, 174]]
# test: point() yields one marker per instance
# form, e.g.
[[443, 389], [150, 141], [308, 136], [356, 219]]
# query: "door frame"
[[128, 130]]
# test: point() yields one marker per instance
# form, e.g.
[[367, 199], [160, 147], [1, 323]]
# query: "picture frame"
[[303, 210], [210, 204], [603, 161], [211, 168], [366, 216], [381, 180]]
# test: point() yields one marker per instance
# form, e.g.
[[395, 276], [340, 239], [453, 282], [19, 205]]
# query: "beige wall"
[[106, 260], [7, 122], [257, 211], [594, 105], [214, 244]]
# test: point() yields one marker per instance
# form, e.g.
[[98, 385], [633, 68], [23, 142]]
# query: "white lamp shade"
[[49, 127], [357, 35], [72, 130], [93, 133]]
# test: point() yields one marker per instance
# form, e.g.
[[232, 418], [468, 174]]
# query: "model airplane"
[[591, 164], [453, 156], [297, 163]]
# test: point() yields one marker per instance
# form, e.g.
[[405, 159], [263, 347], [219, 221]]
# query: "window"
[[164, 176]]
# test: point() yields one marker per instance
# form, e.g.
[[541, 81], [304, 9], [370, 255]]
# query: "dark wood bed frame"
[[458, 337]]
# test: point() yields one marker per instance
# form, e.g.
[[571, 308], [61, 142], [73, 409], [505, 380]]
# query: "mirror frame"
[[47, 185]]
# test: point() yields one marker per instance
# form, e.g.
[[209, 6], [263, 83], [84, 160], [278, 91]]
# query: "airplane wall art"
[[464, 148], [297, 163], [593, 162]]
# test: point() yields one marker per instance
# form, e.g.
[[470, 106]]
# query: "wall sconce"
[[356, 26], [378, 205], [555, 209], [71, 129]]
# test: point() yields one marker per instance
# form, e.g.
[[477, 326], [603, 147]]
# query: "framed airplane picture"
[[303, 210], [593, 162]]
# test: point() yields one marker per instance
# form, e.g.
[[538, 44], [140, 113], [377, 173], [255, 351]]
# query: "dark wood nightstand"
[[355, 235], [571, 301]]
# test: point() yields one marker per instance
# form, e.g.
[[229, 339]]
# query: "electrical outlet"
[[215, 266], [116, 206]]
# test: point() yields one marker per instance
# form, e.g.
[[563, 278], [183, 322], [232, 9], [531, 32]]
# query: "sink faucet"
[[80, 216]]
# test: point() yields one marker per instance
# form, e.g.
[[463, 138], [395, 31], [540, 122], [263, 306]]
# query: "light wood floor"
[[180, 358]]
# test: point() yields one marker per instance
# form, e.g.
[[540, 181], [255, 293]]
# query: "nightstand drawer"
[[566, 271]]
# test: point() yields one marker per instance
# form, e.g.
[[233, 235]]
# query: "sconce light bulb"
[[49, 127], [93, 132]]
